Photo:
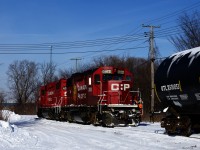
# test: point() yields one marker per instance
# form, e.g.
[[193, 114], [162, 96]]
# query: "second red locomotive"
[[99, 96]]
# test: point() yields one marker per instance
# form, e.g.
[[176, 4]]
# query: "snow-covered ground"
[[31, 133]]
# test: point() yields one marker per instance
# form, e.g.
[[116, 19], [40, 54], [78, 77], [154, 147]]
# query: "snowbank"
[[10, 116]]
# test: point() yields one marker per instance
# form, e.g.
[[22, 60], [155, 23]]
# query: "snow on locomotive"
[[177, 82], [102, 96]]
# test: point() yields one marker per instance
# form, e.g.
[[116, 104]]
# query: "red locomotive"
[[99, 96]]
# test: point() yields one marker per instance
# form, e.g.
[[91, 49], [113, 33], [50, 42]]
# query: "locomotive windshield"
[[128, 78], [107, 77]]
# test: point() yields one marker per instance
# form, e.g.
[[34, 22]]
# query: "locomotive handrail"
[[140, 102], [114, 92], [58, 103], [101, 99]]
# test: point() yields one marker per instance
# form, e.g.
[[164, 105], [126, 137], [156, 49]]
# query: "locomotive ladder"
[[58, 104]]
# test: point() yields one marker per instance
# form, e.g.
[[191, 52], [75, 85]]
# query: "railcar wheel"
[[187, 131], [170, 133]]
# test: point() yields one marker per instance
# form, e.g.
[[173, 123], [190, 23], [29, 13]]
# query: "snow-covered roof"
[[193, 54]]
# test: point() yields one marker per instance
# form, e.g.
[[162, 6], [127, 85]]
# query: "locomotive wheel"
[[63, 116], [133, 122], [136, 121], [85, 117], [39, 113], [51, 115], [94, 119], [70, 117], [57, 116], [108, 120]]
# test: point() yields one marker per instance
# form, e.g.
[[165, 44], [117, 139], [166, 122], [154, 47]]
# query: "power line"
[[21, 47], [95, 41], [79, 52], [175, 13]]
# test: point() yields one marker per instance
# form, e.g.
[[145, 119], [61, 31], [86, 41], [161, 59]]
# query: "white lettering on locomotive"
[[49, 99], [106, 71], [82, 95], [117, 87], [50, 93], [81, 87]]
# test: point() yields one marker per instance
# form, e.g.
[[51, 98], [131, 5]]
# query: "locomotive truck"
[[177, 84], [102, 96]]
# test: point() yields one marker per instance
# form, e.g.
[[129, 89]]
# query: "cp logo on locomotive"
[[117, 87]]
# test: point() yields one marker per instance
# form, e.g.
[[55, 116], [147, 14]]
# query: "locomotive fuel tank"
[[177, 81]]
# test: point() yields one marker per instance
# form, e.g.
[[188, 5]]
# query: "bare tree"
[[2, 97], [64, 73], [189, 32], [108, 61], [23, 80], [47, 72]]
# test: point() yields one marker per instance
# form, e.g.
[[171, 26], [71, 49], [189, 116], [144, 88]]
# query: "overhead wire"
[[75, 52], [176, 13], [170, 30], [128, 38]]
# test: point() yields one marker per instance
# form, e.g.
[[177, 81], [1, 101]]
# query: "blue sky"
[[56, 21]]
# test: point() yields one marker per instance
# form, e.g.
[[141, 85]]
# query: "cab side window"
[[97, 79], [43, 92]]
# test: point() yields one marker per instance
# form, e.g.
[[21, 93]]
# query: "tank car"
[[102, 96], [177, 84]]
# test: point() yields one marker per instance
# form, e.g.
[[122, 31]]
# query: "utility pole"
[[76, 59], [152, 58], [51, 48]]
